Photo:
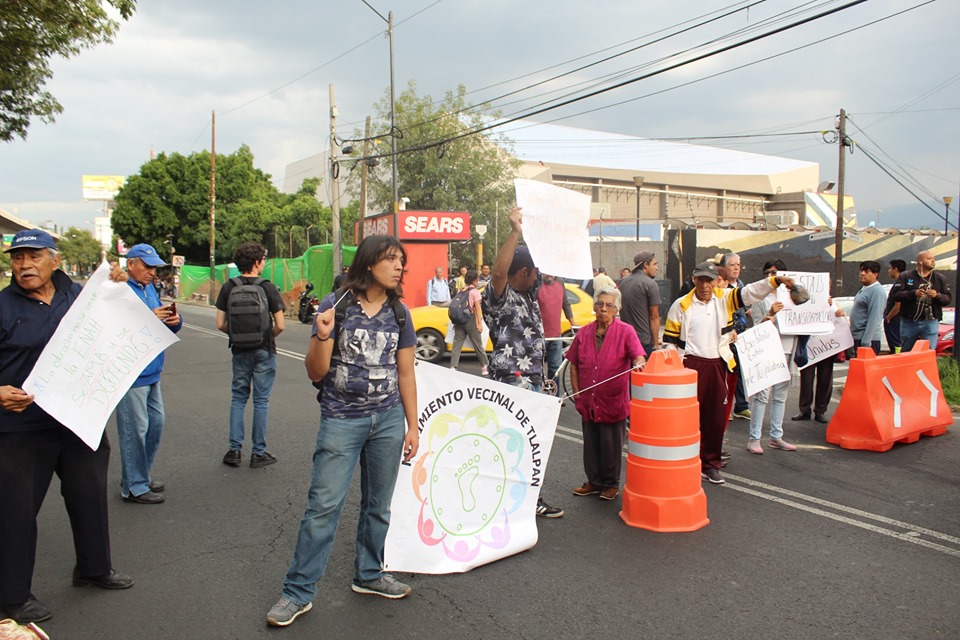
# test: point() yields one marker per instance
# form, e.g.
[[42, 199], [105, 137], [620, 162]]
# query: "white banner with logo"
[[556, 225], [470, 495], [106, 339], [762, 362], [823, 347], [813, 317]]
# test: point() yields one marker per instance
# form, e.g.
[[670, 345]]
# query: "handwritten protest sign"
[[813, 317], [762, 361], [555, 228], [469, 497], [822, 347], [102, 344]]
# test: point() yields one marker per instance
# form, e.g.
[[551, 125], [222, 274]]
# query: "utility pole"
[[838, 253], [213, 199], [363, 179], [393, 133], [335, 184]]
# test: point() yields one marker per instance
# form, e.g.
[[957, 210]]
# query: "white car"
[[846, 303]]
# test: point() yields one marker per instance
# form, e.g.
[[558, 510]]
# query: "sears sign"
[[445, 226]]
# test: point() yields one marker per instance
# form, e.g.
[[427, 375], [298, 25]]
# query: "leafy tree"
[[81, 252], [471, 174], [171, 195], [31, 34]]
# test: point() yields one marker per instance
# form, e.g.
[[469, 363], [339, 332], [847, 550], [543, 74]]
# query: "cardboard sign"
[[813, 317], [555, 228], [762, 361], [823, 347]]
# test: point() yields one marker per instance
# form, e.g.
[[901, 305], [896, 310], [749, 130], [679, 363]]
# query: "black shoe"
[[818, 417], [801, 417], [109, 580], [258, 460], [30, 611], [713, 475], [233, 458], [156, 486], [145, 498]]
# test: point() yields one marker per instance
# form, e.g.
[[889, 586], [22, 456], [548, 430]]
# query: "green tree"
[[81, 252], [31, 34], [171, 195], [472, 174]]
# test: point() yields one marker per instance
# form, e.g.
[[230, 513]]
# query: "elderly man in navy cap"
[[139, 413], [34, 446]]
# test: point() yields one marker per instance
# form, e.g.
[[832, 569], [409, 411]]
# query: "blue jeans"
[[377, 442], [260, 368], [139, 427], [758, 407], [554, 357], [913, 330]]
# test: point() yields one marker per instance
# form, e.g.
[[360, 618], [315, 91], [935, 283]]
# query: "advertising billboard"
[[102, 187]]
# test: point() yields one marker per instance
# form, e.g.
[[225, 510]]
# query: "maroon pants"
[[716, 386]]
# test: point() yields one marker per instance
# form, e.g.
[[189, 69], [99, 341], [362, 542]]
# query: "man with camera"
[[922, 294]]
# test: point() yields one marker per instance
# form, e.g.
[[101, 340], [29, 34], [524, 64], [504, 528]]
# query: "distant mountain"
[[906, 216]]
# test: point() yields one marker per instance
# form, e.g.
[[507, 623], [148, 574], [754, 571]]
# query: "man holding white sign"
[[35, 445]]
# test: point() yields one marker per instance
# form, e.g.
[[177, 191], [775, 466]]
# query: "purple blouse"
[[610, 401]]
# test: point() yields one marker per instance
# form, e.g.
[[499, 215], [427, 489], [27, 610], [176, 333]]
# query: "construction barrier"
[[663, 491], [889, 399]]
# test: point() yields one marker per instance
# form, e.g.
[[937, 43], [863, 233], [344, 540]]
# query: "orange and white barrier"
[[663, 491], [889, 399]]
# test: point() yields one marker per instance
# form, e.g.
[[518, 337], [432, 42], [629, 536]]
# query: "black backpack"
[[340, 312], [248, 314], [459, 309]]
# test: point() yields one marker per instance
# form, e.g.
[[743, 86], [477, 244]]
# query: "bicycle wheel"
[[563, 379]]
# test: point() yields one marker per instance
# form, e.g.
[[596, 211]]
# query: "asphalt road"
[[821, 543]]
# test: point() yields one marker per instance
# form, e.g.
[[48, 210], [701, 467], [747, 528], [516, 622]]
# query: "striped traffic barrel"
[[663, 490]]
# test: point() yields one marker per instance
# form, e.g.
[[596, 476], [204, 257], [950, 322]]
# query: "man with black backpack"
[[250, 311]]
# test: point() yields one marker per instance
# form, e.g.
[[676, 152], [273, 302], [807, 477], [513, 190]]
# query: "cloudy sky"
[[265, 67]]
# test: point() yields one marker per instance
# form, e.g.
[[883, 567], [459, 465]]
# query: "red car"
[[945, 336]]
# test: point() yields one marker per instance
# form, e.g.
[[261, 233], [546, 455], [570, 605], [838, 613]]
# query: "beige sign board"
[[102, 187]]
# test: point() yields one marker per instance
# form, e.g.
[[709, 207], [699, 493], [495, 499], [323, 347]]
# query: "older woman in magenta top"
[[600, 351]]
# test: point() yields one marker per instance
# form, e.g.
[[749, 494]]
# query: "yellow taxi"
[[435, 333]]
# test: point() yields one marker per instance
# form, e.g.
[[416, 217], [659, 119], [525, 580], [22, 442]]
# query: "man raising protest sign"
[[511, 311]]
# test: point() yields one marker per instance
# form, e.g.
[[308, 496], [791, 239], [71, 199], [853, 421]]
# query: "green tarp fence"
[[315, 265]]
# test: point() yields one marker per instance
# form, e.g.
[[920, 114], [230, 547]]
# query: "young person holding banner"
[[365, 366]]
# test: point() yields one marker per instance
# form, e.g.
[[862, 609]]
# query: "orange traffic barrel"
[[663, 491]]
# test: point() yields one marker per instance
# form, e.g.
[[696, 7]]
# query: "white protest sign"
[[762, 363], [469, 497], [822, 347], [813, 317], [102, 344], [555, 228]]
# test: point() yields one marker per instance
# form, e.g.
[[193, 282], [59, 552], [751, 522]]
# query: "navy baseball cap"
[[521, 259], [146, 253], [32, 239]]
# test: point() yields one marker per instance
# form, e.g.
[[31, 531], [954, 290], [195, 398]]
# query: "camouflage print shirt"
[[516, 331], [362, 380]]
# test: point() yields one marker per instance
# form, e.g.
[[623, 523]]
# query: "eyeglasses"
[[604, 305], [770, 273]]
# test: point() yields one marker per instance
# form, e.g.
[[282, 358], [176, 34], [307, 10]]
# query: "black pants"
[[30, 458], [823, 371], [603, 452]]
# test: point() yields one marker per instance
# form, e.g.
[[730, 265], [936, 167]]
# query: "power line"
[[629, 81]]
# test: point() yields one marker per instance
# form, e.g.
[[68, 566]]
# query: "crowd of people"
[[361, 360]]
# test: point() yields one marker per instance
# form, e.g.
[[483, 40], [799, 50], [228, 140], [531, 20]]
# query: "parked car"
[[432, 323], [945, 336], [846, 303]]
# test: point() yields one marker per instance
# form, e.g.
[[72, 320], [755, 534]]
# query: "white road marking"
[[911, 534]]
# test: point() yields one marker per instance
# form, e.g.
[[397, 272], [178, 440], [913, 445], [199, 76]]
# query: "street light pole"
[[946, 213], [638, 182]]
